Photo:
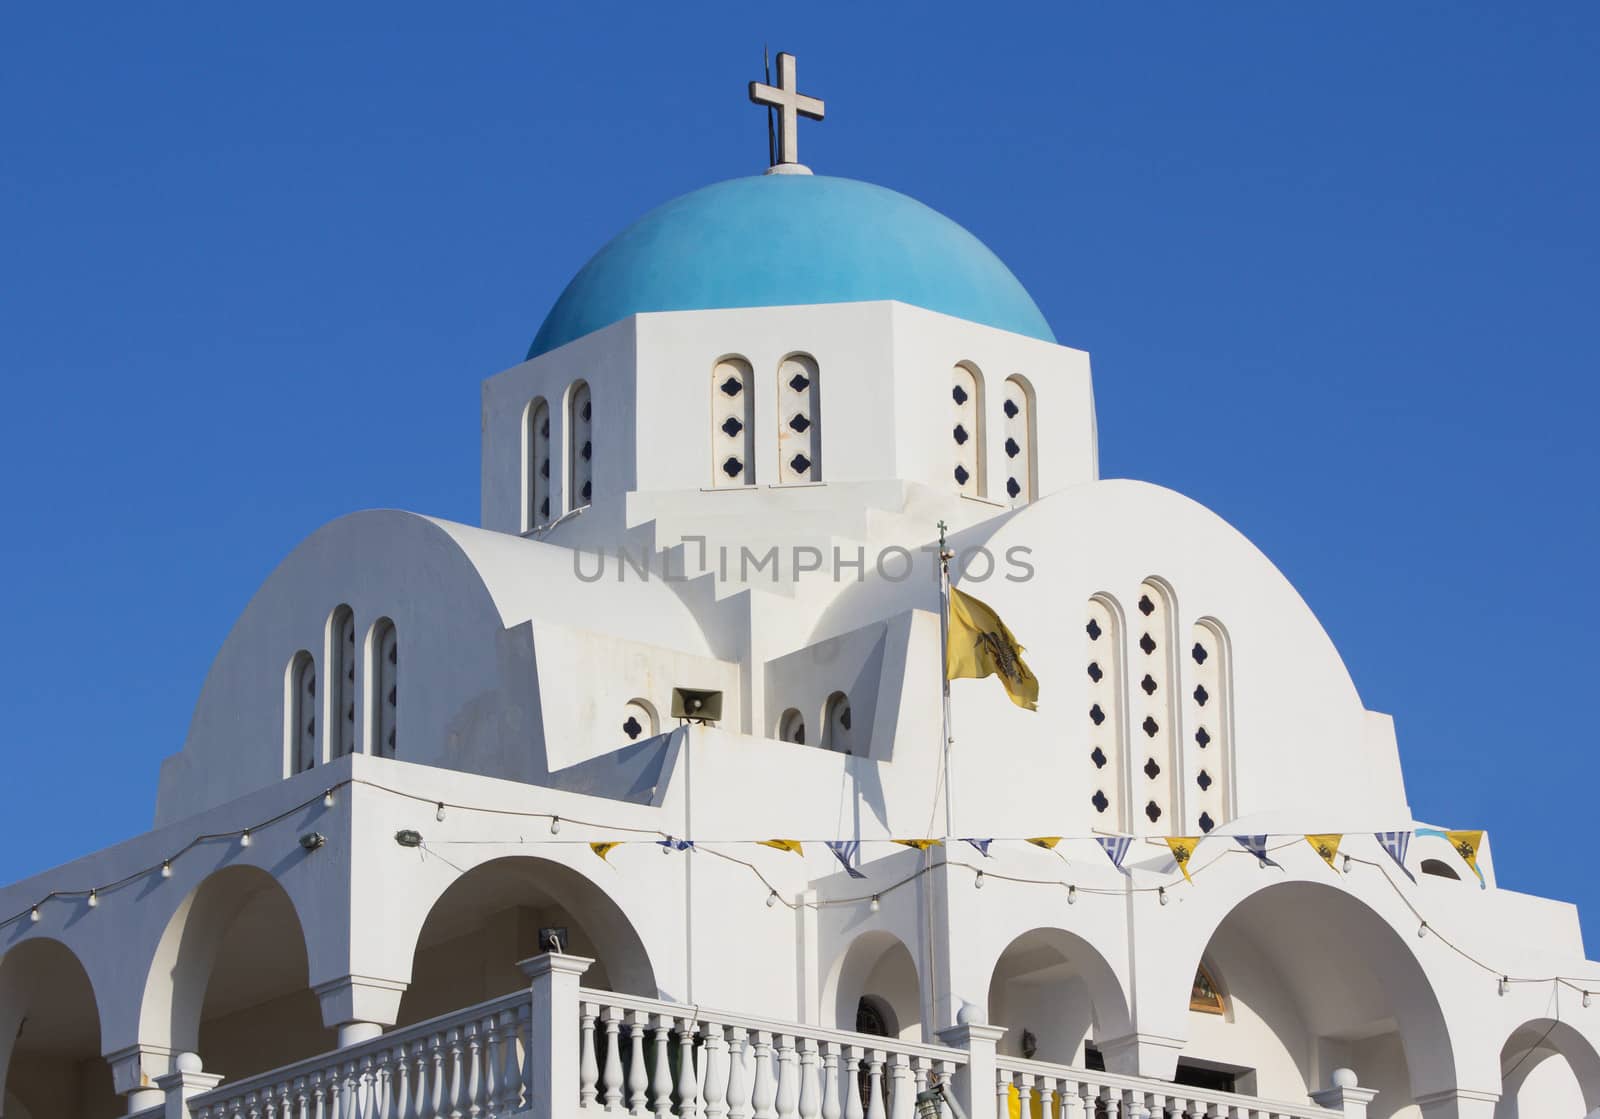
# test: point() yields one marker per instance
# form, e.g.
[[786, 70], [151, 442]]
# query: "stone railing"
[[1049, 1091]]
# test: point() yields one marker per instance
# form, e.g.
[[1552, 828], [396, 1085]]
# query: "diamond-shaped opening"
[[1095, 673], [1012, 449], [588, 450], [1206, 822], [544, 507], [1099, 801], [1093, 630], [588, 490], [960, 434], [1146, 607], [733, 468], [1148, 684], [1202, 737], [1201, 695], [732, 386], [632, 728], [1011, 409], [1204, 780], [588, 411], [1098, 757], [1096, 716], [1199, 653], [1151, 769], [799, 382], [1013, 487], [731, 427], [800, 464], [960, 394], [1150, 726], [962, 475], [1153, 810], [1148, 644], [799, 422]]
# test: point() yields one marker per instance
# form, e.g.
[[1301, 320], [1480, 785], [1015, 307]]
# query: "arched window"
[[836, 724], [799, 420], [639, 720], [1206, 996], [967, 430], [1153, 711], [341, 716], [536, 464], [733, 432], [1440, 869], [792, 727], [580, 446], [300, 712], [1103, 764], [1021, 482], [1207, 726], [383, 676]]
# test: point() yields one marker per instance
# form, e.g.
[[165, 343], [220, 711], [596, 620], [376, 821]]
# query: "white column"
[[359, 1007], [553, 1034], [1343, 1094], [974, 1082], [1458, 1103], [186, 1081]]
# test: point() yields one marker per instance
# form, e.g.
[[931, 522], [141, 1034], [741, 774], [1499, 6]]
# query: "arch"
[[1438, 868], [799, 420], [300, 713], [877, 967], [383, 689], [1104, 763], [1059, 988], [733, 424], [50, 1033], [837, 724], [1534, 1081], [339, 714], [1316, 980], [1207, 661], [535, 464], [580, 446], [1153, 755], [498, 913], [792, 726], [1022, 441], [639, 720], [229, 978], [969, 430]]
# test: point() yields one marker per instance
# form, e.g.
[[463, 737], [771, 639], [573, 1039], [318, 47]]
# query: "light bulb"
[[555, 825], [1505, 985], [327, 799], [94, 898], [1347, 864], [772, 899], [874, 906], [33, 915], [166, 868], [1585, 994], [439, 814], [1162, 892], [977, 883], [1422, 929], [1072, 895], [244, 838]]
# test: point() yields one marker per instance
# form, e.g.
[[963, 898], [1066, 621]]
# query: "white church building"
[[632, 798]]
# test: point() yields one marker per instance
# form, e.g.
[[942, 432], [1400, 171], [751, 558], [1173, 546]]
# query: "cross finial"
[[791, 106]]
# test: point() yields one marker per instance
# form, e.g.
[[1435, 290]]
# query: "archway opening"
[[50, 1036], [1056, 996], [877, 988], [511, 909], [1310, 980], [1548, 1070]]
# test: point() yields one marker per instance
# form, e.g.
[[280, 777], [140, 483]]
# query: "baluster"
[[472, 1051], [314, 1090], [287, 1101], [810, 1080], [788, 1094], [489, 1028], [715, 1064], [740, 1088], [611, 1077], [1068, 1102], [853, 1107], [418, 1063], [875, 1085], [902, 1094], [1047, 1096], [765, 1092], [524, 1054], [638, 1079], [367, 1090], [688, 1093], [1002, 1093], [588, 1067], [437, 1073], [661, 1078], [399, 1084], [509, 1078], [457, 1095], [1025, 1094], [830, 1080], [1157, 1102]]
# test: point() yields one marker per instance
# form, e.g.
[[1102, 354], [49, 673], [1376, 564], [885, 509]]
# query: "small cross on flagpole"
[[791, 105]]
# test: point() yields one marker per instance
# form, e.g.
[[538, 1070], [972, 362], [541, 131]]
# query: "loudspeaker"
[[702, 707]]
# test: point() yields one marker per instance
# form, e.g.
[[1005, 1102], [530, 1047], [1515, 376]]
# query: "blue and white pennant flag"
[[1397, 843], [1116, 848], [847, 851], [1257, 846]]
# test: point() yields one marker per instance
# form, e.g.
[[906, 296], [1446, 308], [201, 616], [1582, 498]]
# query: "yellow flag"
[[603, 849], [1182, 851], [1466, 844], [1048, 842], [981, 645], [783, 845], [919, 844], [1327, 845]]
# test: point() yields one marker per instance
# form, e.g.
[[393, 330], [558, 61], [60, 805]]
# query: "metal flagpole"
[[945, 556]]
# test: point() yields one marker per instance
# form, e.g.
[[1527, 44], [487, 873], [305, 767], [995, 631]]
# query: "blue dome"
[[774, 240]]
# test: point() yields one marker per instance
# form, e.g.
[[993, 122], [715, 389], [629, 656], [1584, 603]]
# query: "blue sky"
[[1336, 266]]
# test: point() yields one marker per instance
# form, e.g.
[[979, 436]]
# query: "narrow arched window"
[[1103, 764], [536, 464], [732, 424], [967, 430], [383, 675], [837, 724], [341, 713], [639, 720], [580, 446], [300, 712], [799, 420], [1153, 711], [792, 727], [1021, 475], [1207, 725]]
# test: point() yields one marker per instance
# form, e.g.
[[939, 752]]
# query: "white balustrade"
[[1062, 1092]]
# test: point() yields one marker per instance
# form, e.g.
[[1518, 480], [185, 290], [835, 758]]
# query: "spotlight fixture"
[[312, 840], [874, 906], [94, 898], [555, 825], [1072, 895], [244, 838], [439, 813], [166, 868], [408, 837], [772, 899]]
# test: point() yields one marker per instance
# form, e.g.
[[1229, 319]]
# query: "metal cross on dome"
[[791, 105]]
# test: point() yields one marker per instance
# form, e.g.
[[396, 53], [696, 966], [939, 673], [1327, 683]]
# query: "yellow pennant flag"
[[1326, 845], [919, 844], [604, 849], [783, 845], [1048, 842], [980, 645], [1466, 844], [1182, 851]]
